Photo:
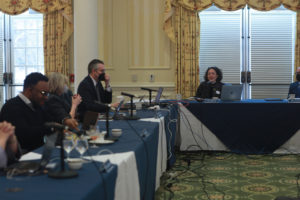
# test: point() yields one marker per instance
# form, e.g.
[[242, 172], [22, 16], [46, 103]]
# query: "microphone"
[[143, 88], [126, 94], [56, 125]]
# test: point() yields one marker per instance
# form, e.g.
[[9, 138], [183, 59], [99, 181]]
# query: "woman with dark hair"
[[295, 86], [212, 85]]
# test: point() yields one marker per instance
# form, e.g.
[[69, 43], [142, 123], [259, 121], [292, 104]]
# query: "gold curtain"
[[175, 25], [58, 27], [297, 47], [187, 51], [185, 34]]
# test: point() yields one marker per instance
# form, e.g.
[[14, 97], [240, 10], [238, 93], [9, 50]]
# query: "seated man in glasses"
[[26, 112]]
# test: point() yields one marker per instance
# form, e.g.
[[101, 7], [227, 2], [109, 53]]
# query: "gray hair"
[[56, 83], [94, 65]]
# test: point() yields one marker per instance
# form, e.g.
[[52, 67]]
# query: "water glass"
[[81, 146], [68, 146]]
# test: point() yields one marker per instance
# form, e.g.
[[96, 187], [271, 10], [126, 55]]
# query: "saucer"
[[101, 141]]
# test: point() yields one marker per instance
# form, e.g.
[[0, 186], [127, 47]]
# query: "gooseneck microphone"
[[62, 173], [56, 126], [126, 94], [149, 89], [150, 93], [131, 117]]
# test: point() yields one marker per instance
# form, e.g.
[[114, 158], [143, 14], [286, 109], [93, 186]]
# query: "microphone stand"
[[150, 97], [131, 117], [107, 123], [62, 173], [150, 94]]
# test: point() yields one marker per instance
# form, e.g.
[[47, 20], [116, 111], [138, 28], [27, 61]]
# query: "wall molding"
[[168, 92], [143, 84], [149, 67]]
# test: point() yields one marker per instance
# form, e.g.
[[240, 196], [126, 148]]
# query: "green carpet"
[[217, 176]]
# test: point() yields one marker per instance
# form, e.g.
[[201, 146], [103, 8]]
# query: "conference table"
[[138, 158], [247, 126]]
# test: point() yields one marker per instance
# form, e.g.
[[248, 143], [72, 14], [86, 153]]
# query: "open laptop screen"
[[158, 95], [119, 106]]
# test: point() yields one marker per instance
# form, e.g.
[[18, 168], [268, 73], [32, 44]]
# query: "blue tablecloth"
[[170, 114], [145, 149], [88, 185], [251, 126], [138, 136]]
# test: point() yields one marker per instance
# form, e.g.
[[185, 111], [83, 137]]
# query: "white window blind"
[[268, 53], [220, 43], [272, 52]]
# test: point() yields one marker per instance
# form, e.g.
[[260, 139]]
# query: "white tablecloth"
[[127, 183], [161, 164]]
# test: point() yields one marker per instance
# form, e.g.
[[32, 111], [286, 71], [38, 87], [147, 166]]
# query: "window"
[[21, 49], [260, 44]]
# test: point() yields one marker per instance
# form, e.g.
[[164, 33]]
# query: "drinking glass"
[[68, 146], [81, 146]]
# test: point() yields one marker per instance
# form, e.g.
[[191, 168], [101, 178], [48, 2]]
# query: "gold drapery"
[[58, 27], [173, 8], [297, 47], [187, 51]]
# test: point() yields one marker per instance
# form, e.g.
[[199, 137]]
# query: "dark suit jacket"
[[295, 89], [29, 123], [207, 90], [87, 91], [57, 107]]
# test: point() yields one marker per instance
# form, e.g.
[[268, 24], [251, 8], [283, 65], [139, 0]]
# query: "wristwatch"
[[109, 105]]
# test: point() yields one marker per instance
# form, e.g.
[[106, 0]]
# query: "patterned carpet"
[[218, 176]]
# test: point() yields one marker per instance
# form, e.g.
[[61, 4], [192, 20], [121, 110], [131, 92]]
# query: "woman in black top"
[[212, 85], [61, 107]]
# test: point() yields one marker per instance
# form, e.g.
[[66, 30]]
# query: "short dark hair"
[[33, 78], [94, 64], [218, 72]]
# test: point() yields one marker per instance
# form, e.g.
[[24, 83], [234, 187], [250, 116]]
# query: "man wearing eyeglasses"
[[95, 97], [26, 113]]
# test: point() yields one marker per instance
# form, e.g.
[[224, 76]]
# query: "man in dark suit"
[[25, 112], [94, 96]]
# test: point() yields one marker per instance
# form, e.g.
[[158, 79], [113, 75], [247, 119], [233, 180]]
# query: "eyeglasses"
[[44, 93]]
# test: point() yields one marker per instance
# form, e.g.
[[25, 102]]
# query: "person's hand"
[[107, 79], [6, 133], [115, 105], [71, 123], [76, 99]]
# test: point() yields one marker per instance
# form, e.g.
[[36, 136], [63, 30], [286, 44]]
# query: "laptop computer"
[[33, 166], [231, 92], [158, 95], [116, 115]]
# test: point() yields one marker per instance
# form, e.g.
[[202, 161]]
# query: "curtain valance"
[[228, 5], [14, 7]]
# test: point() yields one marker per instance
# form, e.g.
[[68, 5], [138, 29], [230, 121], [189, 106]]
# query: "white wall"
[[85, 37]]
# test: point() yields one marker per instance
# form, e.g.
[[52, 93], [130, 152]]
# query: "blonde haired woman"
[[58, 105]]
